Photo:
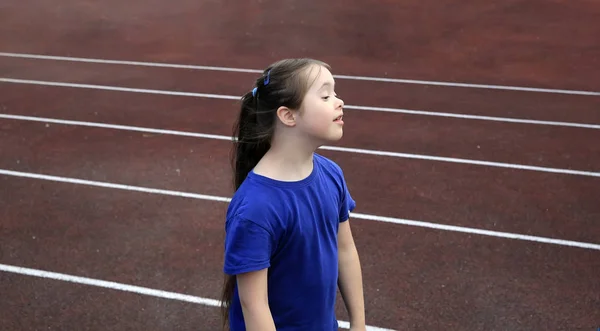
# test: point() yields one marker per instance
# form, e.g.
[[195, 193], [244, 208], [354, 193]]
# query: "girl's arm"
[[252, 289], [350, 278]]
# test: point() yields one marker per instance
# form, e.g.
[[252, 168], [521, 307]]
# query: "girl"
[[288, 244]]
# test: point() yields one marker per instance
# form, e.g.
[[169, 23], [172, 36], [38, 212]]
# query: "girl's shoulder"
[[330, 168], [259, 204], [327, 163], [332, 171]]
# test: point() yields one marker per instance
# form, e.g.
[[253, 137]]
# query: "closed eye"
[[327, 97]]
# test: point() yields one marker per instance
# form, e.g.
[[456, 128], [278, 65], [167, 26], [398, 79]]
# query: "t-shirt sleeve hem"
[[247, 268], [351, 206]]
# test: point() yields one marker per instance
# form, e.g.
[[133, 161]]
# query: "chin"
[[330, 137], [336, 137]]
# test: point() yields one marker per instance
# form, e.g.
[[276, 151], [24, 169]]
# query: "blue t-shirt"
[[290, 228]]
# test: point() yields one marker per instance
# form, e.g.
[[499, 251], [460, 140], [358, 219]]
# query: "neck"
[[287, 160]]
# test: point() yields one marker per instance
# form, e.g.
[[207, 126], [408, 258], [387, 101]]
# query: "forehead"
[[319, 76]]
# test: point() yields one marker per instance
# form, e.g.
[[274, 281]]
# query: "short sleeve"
[[248, 247], [347, 203]]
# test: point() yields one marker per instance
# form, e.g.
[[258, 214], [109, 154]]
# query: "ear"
[[286, 116]]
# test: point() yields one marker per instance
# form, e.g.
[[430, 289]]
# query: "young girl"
[[288, 244]]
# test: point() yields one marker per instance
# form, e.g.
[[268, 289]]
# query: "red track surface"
[[415, 278]]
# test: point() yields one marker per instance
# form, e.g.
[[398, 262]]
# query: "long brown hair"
[[284, 83]]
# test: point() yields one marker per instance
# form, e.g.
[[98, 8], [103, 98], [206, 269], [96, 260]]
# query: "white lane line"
[[118, 88], [476, 117], [463, 161], [482, 232], [130, 288], [130, 63], [368, 108], [331, 148], [115, 127], [337, 76], [113, 186], [109, 285], [392, 220]]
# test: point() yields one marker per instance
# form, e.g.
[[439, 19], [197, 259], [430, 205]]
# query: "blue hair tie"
[[268, 78], [254, 91]]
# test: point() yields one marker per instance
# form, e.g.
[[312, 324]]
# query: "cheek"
[[317, 120], [315, 117]]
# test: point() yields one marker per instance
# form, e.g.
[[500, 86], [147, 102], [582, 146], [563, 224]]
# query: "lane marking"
[[337, 76], [237, 98], [131, 288], [463, 161], [114, 126], [477, 117], [118, 88], [330, 148], [392, 220]]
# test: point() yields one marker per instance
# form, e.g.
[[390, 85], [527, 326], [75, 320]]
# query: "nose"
[[340, 103]]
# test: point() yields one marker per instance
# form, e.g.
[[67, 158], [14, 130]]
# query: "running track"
[[451, 243]]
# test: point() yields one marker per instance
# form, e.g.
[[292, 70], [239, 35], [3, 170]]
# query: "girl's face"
[[321, 111]]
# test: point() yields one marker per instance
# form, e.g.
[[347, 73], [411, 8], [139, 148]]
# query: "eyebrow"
[[326, 84]]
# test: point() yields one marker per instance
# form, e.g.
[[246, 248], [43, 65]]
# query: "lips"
[[339, 118]]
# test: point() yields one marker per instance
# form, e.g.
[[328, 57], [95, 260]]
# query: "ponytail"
[[253, 132], [252, 139]]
